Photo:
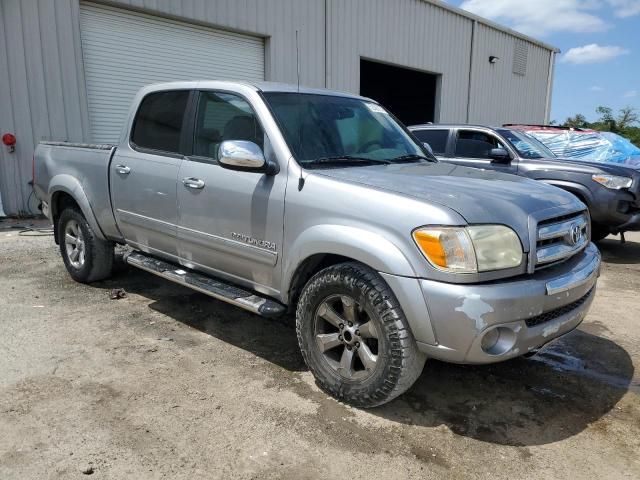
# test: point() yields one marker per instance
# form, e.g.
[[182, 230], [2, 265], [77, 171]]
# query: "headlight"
[[613, 181], [472, 249], [447, 249]]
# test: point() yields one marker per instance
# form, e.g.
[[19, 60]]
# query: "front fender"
[[582, 192], [70, 185], [375, 251], [366, 247]]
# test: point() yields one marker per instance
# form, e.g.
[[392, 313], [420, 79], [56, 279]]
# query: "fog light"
[[498, 341]]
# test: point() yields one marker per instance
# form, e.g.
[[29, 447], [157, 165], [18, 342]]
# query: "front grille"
[[558, 312], [560, 238]]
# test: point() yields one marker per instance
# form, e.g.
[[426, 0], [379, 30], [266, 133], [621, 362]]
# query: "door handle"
[[191, 182], [123, 169]]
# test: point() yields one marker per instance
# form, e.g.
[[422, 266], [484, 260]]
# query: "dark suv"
[[612, 192]]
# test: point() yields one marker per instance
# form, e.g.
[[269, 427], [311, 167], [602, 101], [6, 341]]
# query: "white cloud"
[[631, 94], [540, 17], [625, 8], [592, 53], [596, 88]]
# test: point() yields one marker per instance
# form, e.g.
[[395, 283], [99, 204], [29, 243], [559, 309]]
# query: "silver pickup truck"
[[280, 199]]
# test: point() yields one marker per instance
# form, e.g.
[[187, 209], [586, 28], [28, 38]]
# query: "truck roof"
[[261, 86], [452, 125]]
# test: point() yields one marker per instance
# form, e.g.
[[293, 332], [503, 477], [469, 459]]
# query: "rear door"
[[144, 172], [437, 138], [230, 222], [473, 148]]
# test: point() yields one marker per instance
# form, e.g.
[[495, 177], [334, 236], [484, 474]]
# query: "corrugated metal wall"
[[42, 71], [498, 95], [42, 94], [276, 19], [409, 33]]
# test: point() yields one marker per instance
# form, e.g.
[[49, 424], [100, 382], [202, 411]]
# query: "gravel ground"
[[168, 383]]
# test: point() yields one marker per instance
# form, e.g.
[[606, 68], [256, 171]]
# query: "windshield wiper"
[[412, 157], [345, 161]]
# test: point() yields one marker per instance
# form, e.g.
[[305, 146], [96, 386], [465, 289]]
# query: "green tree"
[[627, 117], [579, 121], [625, 123]]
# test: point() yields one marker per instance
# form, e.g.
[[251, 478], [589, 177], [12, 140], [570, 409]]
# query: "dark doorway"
[[409, 94]]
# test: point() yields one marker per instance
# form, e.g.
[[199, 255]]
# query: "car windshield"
[[527, 146], [343, 131]]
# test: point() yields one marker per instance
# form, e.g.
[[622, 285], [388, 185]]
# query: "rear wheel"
[[355, 338], [86, 257]]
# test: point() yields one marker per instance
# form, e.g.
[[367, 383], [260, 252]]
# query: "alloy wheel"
[[346, 337], [74, 244]]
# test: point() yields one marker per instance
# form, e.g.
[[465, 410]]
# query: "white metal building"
[[69, 68]]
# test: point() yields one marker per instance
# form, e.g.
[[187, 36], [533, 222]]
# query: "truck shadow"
[[613, 251], [554, 395], [550, 397]]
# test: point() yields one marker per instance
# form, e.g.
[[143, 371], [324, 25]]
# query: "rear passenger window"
[[224, 116], [474, 144], [437, 139], [158, 123]]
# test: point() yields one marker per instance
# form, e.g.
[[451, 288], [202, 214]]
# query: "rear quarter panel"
[[81, 172]]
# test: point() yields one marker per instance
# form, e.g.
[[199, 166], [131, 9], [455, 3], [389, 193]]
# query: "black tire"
[[398, 364], [98, 254], [599, 232]]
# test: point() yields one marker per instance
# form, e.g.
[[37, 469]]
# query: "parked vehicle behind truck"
[[277, 199], [611, 192]]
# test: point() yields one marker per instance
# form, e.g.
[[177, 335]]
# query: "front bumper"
[[617, 209], [633, 224], [530, 311]]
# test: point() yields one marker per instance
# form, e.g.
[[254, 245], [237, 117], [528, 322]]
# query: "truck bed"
[[81, 169]]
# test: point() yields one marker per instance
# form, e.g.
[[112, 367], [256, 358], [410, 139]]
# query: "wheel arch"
[[580, 191], [324, 245], [65, 190]]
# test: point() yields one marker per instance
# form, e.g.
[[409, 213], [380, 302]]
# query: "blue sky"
[[600, 43]]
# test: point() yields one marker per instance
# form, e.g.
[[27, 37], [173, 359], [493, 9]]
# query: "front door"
[[473, 148], [144, 172], [230, 222]]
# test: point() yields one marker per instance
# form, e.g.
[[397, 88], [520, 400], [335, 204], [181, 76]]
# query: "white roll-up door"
[[125, 50]]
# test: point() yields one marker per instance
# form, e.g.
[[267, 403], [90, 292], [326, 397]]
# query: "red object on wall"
[[9, 139]]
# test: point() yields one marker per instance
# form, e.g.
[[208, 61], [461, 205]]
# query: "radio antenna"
[[301, 178], [297, 61]]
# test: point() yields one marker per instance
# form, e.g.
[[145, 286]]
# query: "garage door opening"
[[409, 94]]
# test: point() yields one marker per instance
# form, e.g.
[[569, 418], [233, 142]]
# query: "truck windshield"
[[527, 146], [323, 129]]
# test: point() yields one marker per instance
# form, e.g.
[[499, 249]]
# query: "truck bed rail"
[[95, 146]]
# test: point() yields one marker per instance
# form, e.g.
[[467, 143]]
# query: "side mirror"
[[428, 147], [241, 155], [499, 155]]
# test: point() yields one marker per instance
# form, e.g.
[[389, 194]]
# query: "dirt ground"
[[168, 383]]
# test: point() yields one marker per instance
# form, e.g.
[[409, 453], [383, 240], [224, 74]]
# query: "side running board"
[[207, 285]]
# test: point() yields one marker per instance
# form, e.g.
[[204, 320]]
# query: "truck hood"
[[479, 196]]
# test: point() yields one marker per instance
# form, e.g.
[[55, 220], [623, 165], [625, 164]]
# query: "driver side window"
[[474, 144], [223, 116]]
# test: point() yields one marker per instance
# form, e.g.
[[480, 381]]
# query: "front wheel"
[[86, 257], [355, 338]]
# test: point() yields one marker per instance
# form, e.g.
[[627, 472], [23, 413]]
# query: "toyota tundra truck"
[[280, 199]]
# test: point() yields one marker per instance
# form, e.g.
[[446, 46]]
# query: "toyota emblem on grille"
[[575, 234]]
